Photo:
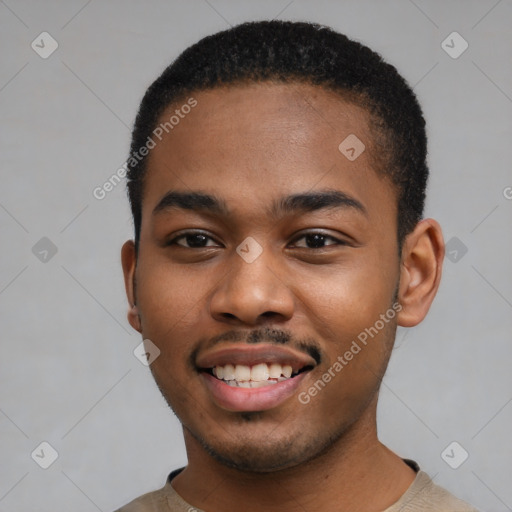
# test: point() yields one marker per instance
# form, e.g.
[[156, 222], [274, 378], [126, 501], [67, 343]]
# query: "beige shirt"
[[421, 496]]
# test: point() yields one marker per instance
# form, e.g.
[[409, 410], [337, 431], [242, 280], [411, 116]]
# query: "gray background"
[[68, 373]]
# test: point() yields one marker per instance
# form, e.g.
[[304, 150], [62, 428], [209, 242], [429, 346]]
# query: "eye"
[[317, 240], [193, 240]]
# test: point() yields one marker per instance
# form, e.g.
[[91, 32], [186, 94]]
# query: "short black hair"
[[298, 52]]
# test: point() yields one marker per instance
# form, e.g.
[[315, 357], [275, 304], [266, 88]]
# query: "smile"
[[253, 378]]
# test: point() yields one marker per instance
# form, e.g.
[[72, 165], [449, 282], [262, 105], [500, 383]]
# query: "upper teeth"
[[256, 373]]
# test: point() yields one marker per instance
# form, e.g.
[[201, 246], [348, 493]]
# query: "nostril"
[[229, 316]]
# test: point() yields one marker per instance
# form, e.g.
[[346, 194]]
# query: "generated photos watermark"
[[101, 191], [355, 348]]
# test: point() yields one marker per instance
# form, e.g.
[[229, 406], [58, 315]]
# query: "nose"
[[252, 293]]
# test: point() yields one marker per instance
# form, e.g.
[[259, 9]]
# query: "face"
[[265, 256]]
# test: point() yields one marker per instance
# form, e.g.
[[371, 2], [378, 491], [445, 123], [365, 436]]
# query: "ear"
[[420, 271], [129, 261]]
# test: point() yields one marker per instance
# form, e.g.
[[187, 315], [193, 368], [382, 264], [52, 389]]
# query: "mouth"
[[253, 378]]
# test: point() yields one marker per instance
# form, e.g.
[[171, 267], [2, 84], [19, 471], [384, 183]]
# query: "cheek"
[[345, 300], [345, 310], [167, 294], [171, 307], [349, 380]]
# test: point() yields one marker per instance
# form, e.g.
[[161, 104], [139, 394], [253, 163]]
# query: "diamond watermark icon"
[[44, 455], [455, 249], [351, 147], [454, 45], [249, 249], [146, 352], [44, 45], [44, 250], [454, 455]]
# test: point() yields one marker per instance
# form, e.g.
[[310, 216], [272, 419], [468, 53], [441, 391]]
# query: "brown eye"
[[192, 240], [317, 241]]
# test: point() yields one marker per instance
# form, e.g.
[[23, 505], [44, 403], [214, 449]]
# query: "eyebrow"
[[296, 203], [191, 201], [313, 201]]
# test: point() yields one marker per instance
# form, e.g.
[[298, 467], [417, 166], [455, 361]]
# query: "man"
[[277, 180]]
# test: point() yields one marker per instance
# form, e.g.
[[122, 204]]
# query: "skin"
[[250, 145]]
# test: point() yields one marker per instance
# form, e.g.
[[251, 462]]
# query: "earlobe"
[[134, 318], [129, 260], [420, 273]]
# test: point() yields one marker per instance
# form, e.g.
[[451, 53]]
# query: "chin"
[[255, 457], [265, 453]]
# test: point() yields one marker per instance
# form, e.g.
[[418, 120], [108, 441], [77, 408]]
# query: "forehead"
[[261, 140], [274, 115]]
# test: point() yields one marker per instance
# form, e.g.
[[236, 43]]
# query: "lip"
[[251, 399], [250, 355]]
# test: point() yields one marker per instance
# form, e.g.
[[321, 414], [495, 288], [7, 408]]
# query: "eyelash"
[[188, 233], [337, 241]]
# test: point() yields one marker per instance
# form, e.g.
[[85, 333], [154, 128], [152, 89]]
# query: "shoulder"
[[424, 495], [163, 500], [151, 502]]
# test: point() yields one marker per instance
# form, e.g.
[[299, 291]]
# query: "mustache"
[[272, 336]]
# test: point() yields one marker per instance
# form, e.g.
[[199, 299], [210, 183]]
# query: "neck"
[[356, 473]]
